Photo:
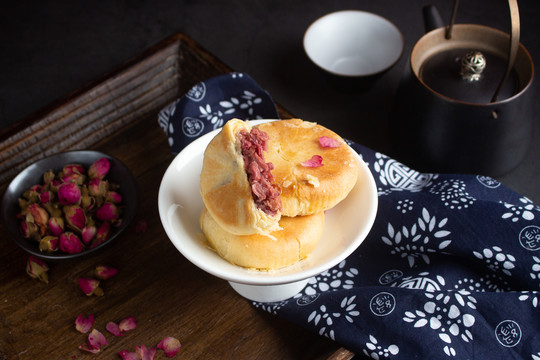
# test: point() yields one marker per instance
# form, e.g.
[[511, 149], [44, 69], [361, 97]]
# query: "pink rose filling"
[[265, 194]]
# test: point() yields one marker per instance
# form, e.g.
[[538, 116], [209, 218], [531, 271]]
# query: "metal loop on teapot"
[[473, 64]]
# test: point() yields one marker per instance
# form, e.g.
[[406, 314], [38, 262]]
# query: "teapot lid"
[[468, 75]]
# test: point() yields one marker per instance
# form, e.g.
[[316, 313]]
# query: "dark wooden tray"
[[168, 296]]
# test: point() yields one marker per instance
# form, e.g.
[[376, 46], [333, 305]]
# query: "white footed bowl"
[[353, 43], [180, 205]]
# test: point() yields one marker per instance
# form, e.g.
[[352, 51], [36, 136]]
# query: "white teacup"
[[353, 43]]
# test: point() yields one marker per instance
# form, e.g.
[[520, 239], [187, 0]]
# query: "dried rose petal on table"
[[83, 324], [141, 353], [170, 346], [126, 324], [90, 286], [114, 329], [37, 269], [141, 226], [96, 341], [105, 272]]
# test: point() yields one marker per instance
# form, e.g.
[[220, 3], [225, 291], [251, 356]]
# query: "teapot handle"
[[514, 44], [432, 18]]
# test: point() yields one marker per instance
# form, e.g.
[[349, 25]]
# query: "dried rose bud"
[[73, 169], [37, 269], [70, 243], [48, 243], [53, 210], [170, 346], [88, 233], [29, 230], [90, 286], [48, 176], [46, 197], [114, 197], [102, 235], [56, 225], [104, 272], [54, 185], [23, 204], [40, 216], [108, 212], [75, 217], [73, 178], [69, 194], [99, 169], [32, 194], [96, 341], [127, 324], [83, 324], [87, 202], [98, 187]]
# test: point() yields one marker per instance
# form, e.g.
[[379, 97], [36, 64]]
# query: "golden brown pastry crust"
[[308, 190], [296, 240], [225, 188]]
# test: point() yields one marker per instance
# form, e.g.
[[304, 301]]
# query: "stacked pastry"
[[266, 188]]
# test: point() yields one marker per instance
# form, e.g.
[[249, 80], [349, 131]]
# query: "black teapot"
[[462, 105]]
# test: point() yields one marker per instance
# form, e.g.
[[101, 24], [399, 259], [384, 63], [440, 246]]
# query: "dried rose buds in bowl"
[[69, 204]]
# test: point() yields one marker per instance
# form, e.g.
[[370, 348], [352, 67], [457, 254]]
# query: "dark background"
[[52, 48]]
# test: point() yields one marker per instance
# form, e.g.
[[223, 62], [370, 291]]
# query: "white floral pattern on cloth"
[[497, 260], [376, 351], [453, 194], [426, 235], [525, 211], [447, 315], [211, 103], [338, 277], [324, 319]]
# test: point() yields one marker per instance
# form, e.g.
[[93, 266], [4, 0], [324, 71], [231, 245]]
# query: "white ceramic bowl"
[[353, 43], [180, 205]]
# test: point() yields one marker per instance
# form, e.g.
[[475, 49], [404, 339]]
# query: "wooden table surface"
[[168, 296]]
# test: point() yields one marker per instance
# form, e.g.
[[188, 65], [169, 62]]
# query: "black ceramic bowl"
[[33, 174]]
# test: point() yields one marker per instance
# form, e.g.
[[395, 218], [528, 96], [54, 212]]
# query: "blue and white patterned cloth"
[[210, 103], [450, 270]]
